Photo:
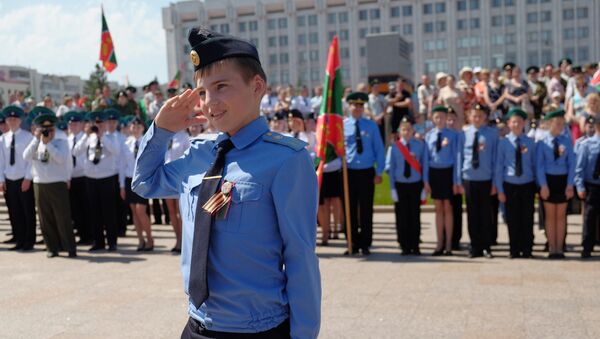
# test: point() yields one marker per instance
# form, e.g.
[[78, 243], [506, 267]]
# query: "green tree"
[[96, 81]]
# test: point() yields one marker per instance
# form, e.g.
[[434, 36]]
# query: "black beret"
[[131, 89], [12, 111], [209, 46], [532, 69], [121, 94], [295, 114], [508, 66], [357, 98], [565, 60]]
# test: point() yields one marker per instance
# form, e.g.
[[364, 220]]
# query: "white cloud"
[[65, 38]]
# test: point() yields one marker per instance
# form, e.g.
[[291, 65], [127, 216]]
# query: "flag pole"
[[347, 204]]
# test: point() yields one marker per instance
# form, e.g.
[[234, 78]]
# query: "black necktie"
[[406, 164], [556, 149], [72, 148], [136, 148], [438, 142], [359, 144], [296, 135], [198, 283], [596, 174], [518, 159], [475, 161], [97, 153], [12, 150]]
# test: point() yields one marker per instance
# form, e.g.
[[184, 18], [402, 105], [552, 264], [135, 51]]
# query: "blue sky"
[[63, 37]]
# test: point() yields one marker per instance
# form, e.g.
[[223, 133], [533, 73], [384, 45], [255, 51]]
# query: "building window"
[[532, 37], [331, 18], [582, 13], [497, 39], [271, 23], [254, 41], [312, 20], [583, 32], [395, 28], [568, 14], [461, 24], [440, 26], [313, 38], [362, 33], [407, 10], [533, 58], [475, 23], [272, 41], [272, 59], [583, 54], [474, 5], [568, 33], [253, 25], [344, 35], [363, 51], [509, 3], [301, 21], [330, 35], [343, 17], [569, 53], [496, 21], [285, 77], [283, 40], [428, 27], [282, 22], [301, 39], [375, 30], [363, 15], [242, 26], [509, 20], [497, 60], [496, 3], [314, 74], [511, 39], [546, 16], [225, 28], [532, 17], [284, 58], [344, 53], [407, 29], [428, 9], [314, 55], [546, 57], [546, 37], [532, 2], [375, 14], [440, 7], [394, 12], [461, 5]]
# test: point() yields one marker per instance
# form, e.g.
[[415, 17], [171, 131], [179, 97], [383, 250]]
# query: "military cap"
[[137, 121], [171, 90], [45, 120], [62, 125], [407, 119], [554, 114], [131, 89], [2, 119], [145, 87], [126, 120], [294, 113], [111, 114], [509, 66], [121, 94], [565, 60], [533, 124], [96, 116], [480, 107], [532, 69], [357, 98], [311, 116], [12, 112], [209, 46], [374, 82], [590, 120], [72, 116], [39, 110], [439, 108], [516, 111], [280, 115]]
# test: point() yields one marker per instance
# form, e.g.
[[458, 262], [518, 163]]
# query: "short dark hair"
[[249, 67]]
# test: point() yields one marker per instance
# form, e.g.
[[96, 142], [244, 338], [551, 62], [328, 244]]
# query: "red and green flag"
[[330, 123], [107, 49], [176, 80]]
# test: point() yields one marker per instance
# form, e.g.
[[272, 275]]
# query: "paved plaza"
[[132, 295]]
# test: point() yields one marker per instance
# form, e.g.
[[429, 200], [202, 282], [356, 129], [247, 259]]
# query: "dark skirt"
[[131, 197], [557, 184], [441, 181], [331, 187]]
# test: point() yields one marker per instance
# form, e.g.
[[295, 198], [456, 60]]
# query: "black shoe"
[[405, 253], [353, 252], [475, 254], [514, 256], [586, 254], [16, 247], [72, 254], [51, 254], [416, 252], [10, 241], [366, 251], [27, 248], [560, 256], [324, 243], [41, 242], [176, 250], [437, 253], [527, 255], [112, 248], [84, 242], [122, 234], [552, 255], [488, 254], [448, 253], [149, 248], [96, 248], [456, 247], [141, 247]]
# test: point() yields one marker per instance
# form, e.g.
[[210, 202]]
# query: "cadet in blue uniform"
[[249, 233], [364, 149], [515, 182], [457, 198], [408, 167], [442, 144], [476, 158], [555, 167], [587, 179]]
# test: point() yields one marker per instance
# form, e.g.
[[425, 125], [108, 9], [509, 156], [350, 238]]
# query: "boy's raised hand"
[[178, 113]]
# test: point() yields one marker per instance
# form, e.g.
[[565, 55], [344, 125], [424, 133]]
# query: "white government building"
[[293, 36]]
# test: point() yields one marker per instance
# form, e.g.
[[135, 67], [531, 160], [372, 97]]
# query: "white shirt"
[[315, 103], [78, 170], [302, 104], [128, 155], [61, 110], [177, 146], [108, 153], [267, 105], [56, 167], [21, 168]]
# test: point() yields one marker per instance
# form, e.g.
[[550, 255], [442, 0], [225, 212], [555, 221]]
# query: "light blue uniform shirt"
[[447, 156], [488, 143], [394, 162], [545, 163], [586, 162], [506, 161], [373, 148], [262, 267]]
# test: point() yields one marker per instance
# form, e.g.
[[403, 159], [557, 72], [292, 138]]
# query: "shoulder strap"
[[280, 139]]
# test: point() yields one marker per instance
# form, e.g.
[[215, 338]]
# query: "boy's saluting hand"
[[178, 112]]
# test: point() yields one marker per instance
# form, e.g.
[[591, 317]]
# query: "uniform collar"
[[595, 137], [511, 136], [247, 134]]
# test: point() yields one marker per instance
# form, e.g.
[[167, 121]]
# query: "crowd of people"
[[494, 137]]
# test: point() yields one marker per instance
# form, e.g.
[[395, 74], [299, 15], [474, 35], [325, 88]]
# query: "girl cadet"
[[515, 182], [555, 172], [408, 168], [442, 145]]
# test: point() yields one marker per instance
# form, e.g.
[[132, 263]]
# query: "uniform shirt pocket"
[[244, 208]]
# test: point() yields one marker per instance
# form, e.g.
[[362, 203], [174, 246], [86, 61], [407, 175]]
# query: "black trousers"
[[479, 214], [362, 191], [79, 208], [457, 219], [121, 209], [157, 211], [21, 208], [592, 213], [194, 330], [101, 193], [520, 208], [408, 215], [494, 228]]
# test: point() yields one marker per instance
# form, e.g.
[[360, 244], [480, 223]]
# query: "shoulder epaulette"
[[290, 142]]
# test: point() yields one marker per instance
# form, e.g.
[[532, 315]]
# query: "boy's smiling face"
[[227, 101]]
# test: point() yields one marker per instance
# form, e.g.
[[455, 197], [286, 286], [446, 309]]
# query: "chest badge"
[[524, 149], [218, 204], [445, 142]]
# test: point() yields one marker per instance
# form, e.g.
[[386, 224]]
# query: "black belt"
[[280, 331]]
